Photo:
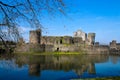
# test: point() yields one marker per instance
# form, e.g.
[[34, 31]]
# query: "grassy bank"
[[52, 53]]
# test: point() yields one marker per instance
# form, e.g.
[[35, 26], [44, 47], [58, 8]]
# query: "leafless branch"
[[29, 11]]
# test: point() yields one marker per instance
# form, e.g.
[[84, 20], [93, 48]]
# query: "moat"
[[58, 67]]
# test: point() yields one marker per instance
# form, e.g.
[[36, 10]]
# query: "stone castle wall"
[[67, 48], [36, 38], [40, 43], [57, 40], [61, 43]]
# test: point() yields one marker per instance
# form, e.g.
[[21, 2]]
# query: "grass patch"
[[79, 52], [51, 53]]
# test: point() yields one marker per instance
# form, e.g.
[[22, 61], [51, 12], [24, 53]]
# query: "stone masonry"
[[35, 36]]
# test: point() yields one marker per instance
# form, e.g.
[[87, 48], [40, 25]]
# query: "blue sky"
[[99, 16]]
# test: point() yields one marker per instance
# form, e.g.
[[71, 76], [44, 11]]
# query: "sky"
[[99, 16]]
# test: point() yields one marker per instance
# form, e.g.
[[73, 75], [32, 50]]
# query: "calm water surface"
[[64, 67]]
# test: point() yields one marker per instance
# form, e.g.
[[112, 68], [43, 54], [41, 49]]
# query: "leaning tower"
[[91, 38], [35, 36]]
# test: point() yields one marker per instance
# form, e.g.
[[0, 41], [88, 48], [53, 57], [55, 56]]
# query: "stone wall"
[[66, 40], [49, 48], [102, 48], [97, 49], [58, 40], [50, 43], [29, 48], [50, 40], [33, 48], [67, 48], [77, 41], [118, 46]]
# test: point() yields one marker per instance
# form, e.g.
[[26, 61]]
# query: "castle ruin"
[[78, 38], [62, 43], [79, 41], [35, 37]]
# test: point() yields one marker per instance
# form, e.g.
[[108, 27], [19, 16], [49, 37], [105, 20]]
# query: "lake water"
[[64, 67]]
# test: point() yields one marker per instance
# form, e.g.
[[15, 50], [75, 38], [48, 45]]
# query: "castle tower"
[[113, 44], [81, 34], [35, 36], [91, 38]]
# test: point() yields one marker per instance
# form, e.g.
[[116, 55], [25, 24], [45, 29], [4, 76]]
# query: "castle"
[[62, 43], [80, 41]]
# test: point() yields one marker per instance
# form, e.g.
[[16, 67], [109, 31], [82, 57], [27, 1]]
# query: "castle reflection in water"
[[77, 63]]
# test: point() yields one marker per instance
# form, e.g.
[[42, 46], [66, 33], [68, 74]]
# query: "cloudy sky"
[[99, 16]]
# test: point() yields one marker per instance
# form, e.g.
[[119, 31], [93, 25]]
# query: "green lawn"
[[52, 53]]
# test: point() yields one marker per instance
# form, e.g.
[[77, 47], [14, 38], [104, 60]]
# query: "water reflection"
[[115, 59], [60, 67], [77, 63]]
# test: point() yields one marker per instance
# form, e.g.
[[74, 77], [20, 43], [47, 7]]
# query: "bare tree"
[[13, 12]]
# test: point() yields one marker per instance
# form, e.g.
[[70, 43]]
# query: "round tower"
[[91, 38], [35, 36]]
